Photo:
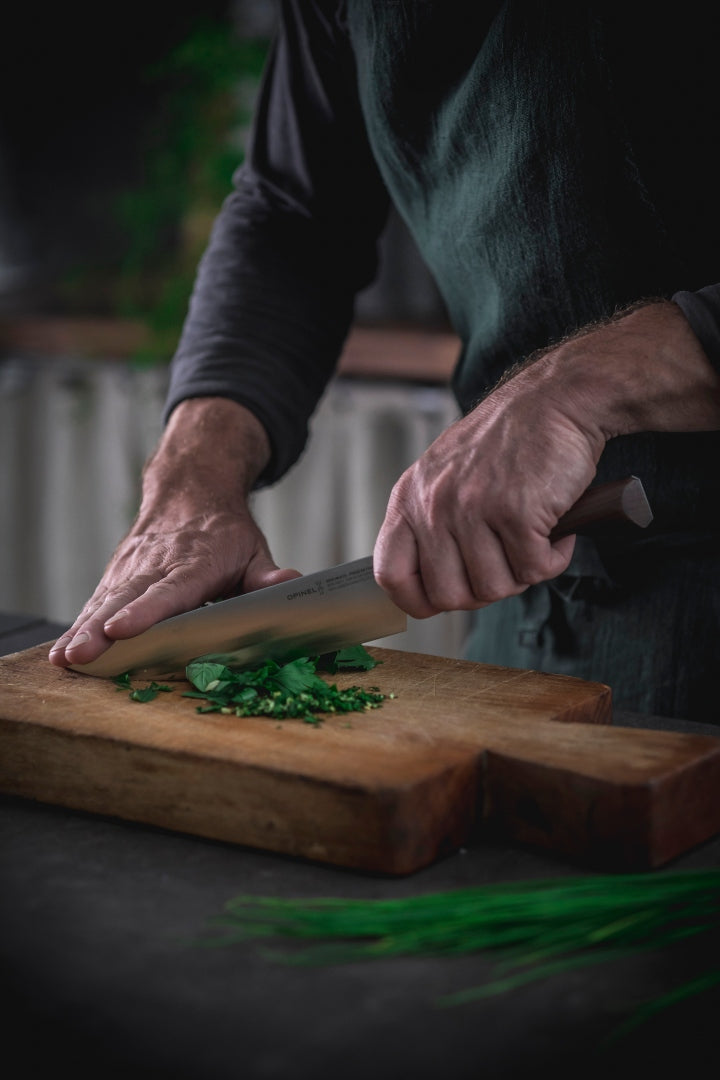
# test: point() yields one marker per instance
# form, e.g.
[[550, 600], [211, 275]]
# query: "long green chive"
[[535, 929]]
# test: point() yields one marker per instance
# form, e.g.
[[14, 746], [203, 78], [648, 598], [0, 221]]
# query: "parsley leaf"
[[149, 693], [354, 657], [298, 675], [205, 675]]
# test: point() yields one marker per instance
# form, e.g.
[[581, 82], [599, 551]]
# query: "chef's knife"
[[309, 615], [319, 612]]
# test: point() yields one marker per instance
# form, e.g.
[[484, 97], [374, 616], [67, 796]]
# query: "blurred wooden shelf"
[[66, 336], [398, 353]]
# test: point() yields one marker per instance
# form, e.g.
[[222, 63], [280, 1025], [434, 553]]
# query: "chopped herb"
[[297, 676], [355, 657], [144, 694], [149, 693], [291, 690], [205, 674]]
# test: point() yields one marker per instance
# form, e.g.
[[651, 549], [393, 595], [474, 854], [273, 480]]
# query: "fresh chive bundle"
[[535, 928], [535, 919]]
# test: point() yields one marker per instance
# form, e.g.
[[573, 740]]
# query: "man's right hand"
[[194, 538]]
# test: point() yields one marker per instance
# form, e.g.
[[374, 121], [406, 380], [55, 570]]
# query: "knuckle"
[[387, 578], [489, 594], [126, 592], [400, 492], [450, 595], [533, 570], [533, 576]]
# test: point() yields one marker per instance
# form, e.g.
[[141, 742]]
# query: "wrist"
[[644, 370], [208, 458]]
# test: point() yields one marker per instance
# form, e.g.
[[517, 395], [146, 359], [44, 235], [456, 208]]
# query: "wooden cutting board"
[[530, 757]]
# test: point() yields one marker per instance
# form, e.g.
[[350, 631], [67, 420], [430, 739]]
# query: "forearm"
[[643, 371], [207, 461]]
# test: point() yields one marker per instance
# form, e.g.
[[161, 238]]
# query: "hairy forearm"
[[208, 459], [642, 371]]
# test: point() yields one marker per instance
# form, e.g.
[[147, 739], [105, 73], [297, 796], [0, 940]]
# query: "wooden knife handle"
[[617, 501]]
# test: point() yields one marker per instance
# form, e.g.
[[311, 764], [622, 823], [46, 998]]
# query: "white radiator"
[[75, 433]]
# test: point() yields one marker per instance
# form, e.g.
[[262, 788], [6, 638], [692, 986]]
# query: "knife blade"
[[321, 612], [309, 615]]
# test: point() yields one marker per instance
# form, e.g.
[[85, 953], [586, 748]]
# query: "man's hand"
[[469, 523], [194, 538]]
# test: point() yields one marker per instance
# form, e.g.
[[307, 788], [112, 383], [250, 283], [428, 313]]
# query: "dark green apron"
[[553, 164]]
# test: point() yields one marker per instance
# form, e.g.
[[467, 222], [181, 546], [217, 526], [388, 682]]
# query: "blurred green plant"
[[194, 142], [534, 929]]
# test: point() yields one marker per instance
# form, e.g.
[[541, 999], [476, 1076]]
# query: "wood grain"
[[529, 756]]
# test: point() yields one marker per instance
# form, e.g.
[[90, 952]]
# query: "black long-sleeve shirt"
[[553, 162]]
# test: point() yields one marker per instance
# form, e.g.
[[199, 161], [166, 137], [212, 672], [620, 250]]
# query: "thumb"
[[561, 552], [262, 571]]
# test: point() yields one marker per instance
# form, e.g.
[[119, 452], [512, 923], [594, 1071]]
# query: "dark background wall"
[[75, 99], [75, 95]]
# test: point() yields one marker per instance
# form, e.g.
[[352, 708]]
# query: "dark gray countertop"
[[101, 972]]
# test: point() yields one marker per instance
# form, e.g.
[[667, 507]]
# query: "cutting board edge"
[[622, 827], [406, 827]]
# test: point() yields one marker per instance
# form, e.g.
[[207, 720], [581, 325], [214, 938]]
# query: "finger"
[[85, 644], [120, 614], [86, 639], [57, 652], [534, 558], [182, 590], [444, 574], [178, 591], [86, 633], [467, 572], [396, 566], [489, 571]]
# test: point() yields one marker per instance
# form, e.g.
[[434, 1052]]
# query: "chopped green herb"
[[297, 676], [283, 690], [292, 689], [149, 693], [144, 694], [355, 657], [205, 674]]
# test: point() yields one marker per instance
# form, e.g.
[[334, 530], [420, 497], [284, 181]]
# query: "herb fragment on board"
[[290, 690], [355, 657], [149, 693], [138, 693]]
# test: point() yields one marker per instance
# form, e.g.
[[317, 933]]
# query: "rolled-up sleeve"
[[702, 310], [293, 244]]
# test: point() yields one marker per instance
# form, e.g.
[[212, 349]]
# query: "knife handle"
[[622, 501]]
